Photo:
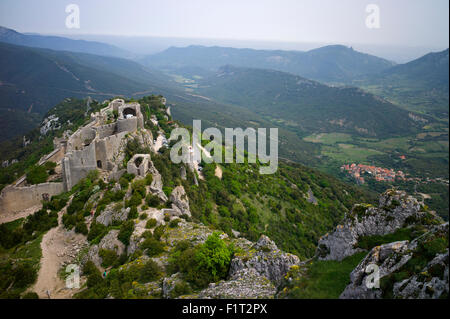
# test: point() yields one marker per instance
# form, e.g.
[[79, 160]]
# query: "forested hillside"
[[33, 80]]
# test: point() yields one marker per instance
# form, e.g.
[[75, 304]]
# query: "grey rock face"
[[157, 184], [169, 284], [430, 288], [394, 212], [183, 172], [110, 215], [244, 284], [382, 256], [430, 282], [266, 259], [109, 242], [180, 201]]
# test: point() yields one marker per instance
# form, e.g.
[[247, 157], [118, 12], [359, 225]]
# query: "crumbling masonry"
[[97, 144]]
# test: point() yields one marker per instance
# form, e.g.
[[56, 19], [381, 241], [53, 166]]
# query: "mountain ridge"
[[313, 106], [334, 63], [60, 43], [35, 79]]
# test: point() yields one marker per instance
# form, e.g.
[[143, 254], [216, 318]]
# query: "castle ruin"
[[97, 145]]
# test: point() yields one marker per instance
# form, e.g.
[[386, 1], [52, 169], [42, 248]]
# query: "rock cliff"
[[395, 210]]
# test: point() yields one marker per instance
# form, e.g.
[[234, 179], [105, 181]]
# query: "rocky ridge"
[[416, 269], [395, 210]]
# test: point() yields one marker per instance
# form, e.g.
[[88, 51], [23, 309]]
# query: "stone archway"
[[128, 111]]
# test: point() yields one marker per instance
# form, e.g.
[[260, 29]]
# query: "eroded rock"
[[396, 210], [266, 259]]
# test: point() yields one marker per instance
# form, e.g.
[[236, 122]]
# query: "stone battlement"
[[96, 144]]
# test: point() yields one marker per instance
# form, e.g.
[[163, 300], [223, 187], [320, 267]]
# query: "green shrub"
[[57, 202], [30, 295], [37, 175], [143, 216], [203, 264], [93, 175], [139, 187], [133, 214], [49, 165], [109, 257], [150, 272], [214, 256], [148, 179], [151, 223], [158, 232], [97, 230], [124, 183], [81, 228], [125, 232], [89, 268], [167, 190], [368, 242], [152, 247], [129, 177], [174, 223], [153, 200], [24, 275], [135, 200], [181, 288]]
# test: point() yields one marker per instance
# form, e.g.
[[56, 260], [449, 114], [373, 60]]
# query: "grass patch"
[[325, 279], [368, 242], [328, 138]]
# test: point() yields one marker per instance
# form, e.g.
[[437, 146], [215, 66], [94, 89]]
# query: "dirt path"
[[9, 217], [59, 247]]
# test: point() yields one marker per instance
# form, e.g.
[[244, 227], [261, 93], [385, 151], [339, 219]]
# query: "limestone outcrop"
[[396, 210], [416, 269], [245, 284], [109, 242], [266, 259], [157, 184], [180, 201], [111, 214], [169, 284]]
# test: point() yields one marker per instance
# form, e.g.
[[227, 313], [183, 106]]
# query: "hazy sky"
[[402, 22]]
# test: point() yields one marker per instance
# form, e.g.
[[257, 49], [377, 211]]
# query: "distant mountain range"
[[334, 63], [33, 80], [254, 83], [307, 106], [421, 85], [60, 43]]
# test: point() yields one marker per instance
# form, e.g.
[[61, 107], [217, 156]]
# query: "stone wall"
[[106, 130], [108, 148], [14, 199], [78, 140], [143, 168], [77, 164], [127, 125]]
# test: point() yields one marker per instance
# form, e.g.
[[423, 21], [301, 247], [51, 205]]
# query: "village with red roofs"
[[378, 173], [361, 171]]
